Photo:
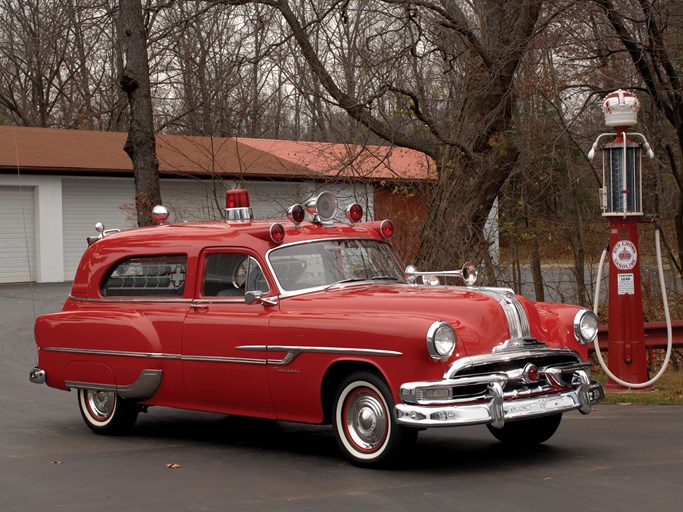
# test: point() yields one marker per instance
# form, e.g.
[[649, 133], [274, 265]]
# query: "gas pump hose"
[[667, 316]]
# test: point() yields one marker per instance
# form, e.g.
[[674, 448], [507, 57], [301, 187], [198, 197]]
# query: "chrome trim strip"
[[218, 359], [513, 309], [156, 355], [123, 353], [129, 299], [294, 351]]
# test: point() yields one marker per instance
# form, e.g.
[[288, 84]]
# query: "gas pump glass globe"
[[623, 184]]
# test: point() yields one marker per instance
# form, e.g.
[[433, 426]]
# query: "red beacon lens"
[[296, 214], [386, 228], [354, 212], [238, 198], [277, 233]]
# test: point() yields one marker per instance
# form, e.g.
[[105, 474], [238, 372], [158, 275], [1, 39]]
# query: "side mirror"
[[256, 297]]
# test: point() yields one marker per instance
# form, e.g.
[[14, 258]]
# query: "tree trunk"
[[141, 143], [463, 197], [536, 269]]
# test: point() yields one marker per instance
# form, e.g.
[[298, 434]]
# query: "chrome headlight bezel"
[[586, 326], [441, 340]]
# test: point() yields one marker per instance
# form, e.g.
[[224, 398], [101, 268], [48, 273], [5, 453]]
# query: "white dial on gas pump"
[[624, 255]]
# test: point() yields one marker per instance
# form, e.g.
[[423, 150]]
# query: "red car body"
[[167, 316]]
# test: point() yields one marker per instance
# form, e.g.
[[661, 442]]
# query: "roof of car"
[[192, 238]]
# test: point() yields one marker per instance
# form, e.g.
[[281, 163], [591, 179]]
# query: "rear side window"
[[147, 277]]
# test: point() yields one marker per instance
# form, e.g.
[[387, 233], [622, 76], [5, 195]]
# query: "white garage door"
[[111, 201], [86, 202], [17, 234]]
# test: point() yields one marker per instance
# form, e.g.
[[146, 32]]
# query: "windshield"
[[327, 262]]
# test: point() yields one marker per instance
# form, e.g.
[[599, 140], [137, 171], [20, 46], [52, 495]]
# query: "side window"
[[231, 275], [147, 277]]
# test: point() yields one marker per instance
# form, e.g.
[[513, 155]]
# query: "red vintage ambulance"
[[309, 320]]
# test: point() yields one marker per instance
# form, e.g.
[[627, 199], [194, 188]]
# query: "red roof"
[[51, 150]]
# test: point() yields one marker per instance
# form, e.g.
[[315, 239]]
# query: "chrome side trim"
[[122, 353], [144, 387], [217, 359], [294, 351], [129, 299]]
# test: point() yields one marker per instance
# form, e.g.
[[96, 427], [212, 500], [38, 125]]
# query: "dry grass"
[[666, 391]]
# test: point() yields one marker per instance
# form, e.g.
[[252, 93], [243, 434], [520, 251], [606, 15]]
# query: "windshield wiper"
[[348, 280], [385, 278]]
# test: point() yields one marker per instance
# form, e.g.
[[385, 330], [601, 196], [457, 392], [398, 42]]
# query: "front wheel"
[[527, 432], [363, 422], [105, 412]]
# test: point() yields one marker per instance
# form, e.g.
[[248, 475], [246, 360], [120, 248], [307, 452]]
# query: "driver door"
[[217, 323]]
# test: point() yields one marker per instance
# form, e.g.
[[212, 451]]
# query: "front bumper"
[[496, 406]]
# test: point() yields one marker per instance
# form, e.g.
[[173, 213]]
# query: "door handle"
[[199, 306]]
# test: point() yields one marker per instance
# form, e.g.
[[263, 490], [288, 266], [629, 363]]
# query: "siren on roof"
[[237, 207]]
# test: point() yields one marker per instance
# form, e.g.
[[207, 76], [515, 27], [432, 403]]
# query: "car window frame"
[[202, 265]]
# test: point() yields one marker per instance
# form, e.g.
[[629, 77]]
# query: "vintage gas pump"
[[621, 200]]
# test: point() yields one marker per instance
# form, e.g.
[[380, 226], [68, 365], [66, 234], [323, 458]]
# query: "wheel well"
[[333, 377]]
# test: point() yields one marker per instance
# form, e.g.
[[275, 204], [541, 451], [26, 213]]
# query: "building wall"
[[61, 211]]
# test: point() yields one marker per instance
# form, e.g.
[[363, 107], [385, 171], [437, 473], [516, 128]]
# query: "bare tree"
[[436, 77], [650, 34], [141, 142]]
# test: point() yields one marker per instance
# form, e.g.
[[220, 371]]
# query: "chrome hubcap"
[[366, 420], [101, 403]]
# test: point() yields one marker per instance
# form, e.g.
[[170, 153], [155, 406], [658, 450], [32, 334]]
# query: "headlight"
[[585, 326], [440, 340]]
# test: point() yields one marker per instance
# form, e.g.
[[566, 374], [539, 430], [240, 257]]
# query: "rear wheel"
[[363, 421], [107, 413], [527, 432]]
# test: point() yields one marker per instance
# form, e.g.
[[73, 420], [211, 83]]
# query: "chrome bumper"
[[497, 407], [37, 376]]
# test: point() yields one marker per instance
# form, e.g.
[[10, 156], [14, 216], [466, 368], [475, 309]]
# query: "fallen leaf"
[[173, 466]]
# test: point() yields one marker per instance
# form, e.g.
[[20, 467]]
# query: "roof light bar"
[[237, 206]]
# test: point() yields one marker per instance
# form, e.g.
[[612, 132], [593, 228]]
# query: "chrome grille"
[[470, 379]]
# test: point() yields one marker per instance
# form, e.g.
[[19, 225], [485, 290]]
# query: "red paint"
[[626, 344], [199, 342]]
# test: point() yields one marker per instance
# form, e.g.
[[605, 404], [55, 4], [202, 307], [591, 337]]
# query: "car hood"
[[482, 318]]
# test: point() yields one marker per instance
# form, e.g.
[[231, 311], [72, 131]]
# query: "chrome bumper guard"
[[496, 406], [37, 376]]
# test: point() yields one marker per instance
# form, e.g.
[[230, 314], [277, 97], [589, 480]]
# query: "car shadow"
[[436, 450]]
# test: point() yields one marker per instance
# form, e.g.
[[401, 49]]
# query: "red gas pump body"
[[626, 342]]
